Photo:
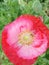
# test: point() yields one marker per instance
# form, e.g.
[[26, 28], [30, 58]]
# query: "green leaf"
[[37, 6], [22, 4]]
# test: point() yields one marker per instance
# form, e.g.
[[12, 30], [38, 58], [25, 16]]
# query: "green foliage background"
[[11, 9]]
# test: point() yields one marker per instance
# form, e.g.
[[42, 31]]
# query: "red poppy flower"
[[25, 39]]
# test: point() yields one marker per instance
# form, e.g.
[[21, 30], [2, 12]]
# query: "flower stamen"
[[25, 37]]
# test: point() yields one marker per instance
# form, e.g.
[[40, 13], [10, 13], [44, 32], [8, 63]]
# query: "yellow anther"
[[25, 37]]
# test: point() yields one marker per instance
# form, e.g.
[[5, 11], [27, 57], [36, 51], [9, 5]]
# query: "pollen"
[[25, 38]]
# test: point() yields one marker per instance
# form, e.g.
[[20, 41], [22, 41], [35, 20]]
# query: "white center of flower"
[[25, 37]]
